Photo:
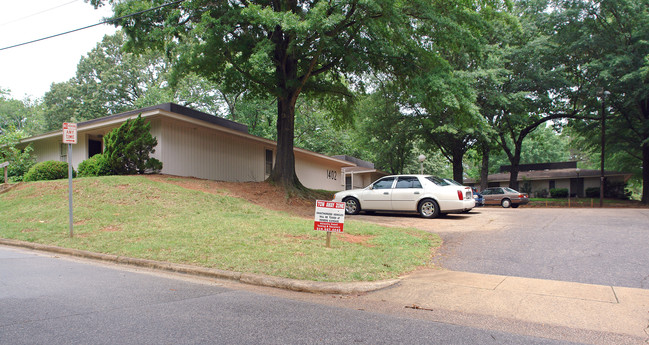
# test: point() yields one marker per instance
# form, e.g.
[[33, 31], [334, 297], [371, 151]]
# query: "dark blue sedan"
[[479, 199]]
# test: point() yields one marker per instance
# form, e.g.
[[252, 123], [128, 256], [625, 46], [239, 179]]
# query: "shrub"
[[48, 170], [20, 160], [541, 193], [592, 192], [127, 148], [94, 166], [559, 192]]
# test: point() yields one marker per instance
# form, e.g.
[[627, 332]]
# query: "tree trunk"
[[286, 70], [458, 168], [484, 170], [514, 169], [645, 174], [283, 172]]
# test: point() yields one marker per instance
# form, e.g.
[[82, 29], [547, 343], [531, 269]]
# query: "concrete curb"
[[247, 278]]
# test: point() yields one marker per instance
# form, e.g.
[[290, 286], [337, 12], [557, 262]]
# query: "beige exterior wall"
[[318, 175], [189, 150], [48, 149]]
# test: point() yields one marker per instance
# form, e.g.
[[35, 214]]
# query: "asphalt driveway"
[[594, 246]]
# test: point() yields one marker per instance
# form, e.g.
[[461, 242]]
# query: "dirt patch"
[[356, 239], [258, 193]]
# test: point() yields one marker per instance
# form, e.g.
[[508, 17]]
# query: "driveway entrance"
[[593, 246]]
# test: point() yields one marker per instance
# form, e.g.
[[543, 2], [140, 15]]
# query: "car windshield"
[[509, 190], [438, 181]]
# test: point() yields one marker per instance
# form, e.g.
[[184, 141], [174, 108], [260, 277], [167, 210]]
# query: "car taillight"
[[460, 195]]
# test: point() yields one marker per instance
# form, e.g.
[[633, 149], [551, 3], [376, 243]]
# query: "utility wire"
[[110, 20]]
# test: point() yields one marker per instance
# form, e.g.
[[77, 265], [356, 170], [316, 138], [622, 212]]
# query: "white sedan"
[[427, 195]]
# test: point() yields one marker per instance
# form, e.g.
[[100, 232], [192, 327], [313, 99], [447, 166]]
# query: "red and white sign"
[[329, 216], [69, 133]]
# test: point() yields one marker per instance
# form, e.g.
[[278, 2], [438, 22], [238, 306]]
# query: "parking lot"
[[587, 245]]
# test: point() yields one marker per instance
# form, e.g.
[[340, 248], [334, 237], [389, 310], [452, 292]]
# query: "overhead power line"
[[110, 20]]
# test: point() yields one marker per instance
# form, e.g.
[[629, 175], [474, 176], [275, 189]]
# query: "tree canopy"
[[288, 48]]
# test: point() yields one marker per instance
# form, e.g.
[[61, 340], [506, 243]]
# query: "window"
[[348, 182], [438, 181], [408, 182], [552, 184], [64, 152], [384, 183], [269, 161], [94, 147]]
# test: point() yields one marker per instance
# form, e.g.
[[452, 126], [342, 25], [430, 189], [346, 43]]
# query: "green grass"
[[137, 217]]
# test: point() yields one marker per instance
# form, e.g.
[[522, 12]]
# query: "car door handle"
[[416, 192], [386, 193]]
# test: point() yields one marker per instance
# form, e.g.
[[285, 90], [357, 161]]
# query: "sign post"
[[70, 137], [329, 217], [5, 165]]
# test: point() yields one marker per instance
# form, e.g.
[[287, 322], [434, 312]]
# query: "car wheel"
[[506, 203], [352, 206], [428, 208]]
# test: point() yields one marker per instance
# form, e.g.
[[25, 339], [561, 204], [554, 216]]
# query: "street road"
[[52, 300]]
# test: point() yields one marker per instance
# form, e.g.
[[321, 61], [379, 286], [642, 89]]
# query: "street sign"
[[329, 216], [69, 133], [70, 137]]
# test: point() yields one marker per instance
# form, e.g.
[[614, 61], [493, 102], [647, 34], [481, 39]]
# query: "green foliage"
[[385, 132], [48, 170], [127, 148], [96, 165], [604, 44], [20, 160], [294, 48], [559, 192], [110, 80], [18, 115], [592, 192]]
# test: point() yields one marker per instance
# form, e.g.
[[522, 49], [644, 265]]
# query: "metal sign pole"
[[70, 186]]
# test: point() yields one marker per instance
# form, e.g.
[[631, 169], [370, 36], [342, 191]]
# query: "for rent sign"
[[329, 216]]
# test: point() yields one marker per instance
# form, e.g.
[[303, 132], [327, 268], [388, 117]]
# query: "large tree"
[[287, 48], [524, 84], [606, 41]]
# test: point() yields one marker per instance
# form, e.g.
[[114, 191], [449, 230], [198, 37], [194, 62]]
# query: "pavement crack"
[[416, 307], [617, 300]]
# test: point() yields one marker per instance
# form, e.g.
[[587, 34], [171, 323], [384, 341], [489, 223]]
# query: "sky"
[[29, 70]]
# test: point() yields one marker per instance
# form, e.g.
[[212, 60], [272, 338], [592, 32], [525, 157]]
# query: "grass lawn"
[[138, 217]]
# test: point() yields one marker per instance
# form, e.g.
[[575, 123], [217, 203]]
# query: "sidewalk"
[[617, 310]]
